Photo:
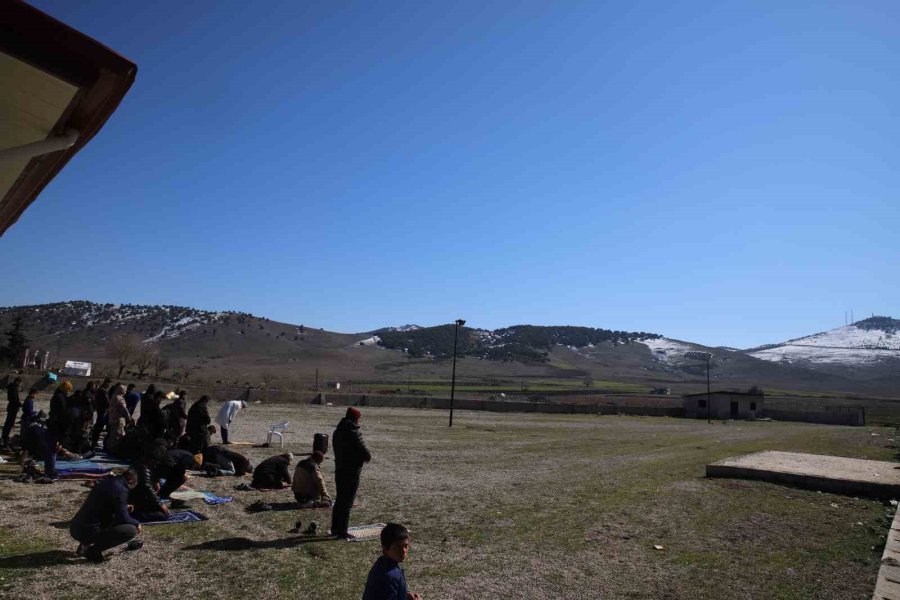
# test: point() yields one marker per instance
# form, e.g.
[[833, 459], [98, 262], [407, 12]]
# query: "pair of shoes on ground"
[[90, 553], [94, 555], [244, 487]]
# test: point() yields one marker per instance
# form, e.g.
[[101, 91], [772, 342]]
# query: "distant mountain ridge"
[[519, 342], [866, 342], [213, 346]]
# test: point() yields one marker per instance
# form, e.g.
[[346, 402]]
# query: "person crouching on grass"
[[386, 579]]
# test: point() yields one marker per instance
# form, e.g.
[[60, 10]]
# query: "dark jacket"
[[198, 420], [101, 400], [272, 471], [386, 581], [350, 451], [143, 496], [12, 398], [214, 454], [28, 412], [106, 505], [174, 416], [152, 421], [132, 399], [58, 422]]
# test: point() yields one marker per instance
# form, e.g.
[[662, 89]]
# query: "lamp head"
[[696, 355], [460, 322]]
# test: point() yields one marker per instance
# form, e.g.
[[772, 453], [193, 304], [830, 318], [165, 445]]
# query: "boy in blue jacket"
[[386, 579]]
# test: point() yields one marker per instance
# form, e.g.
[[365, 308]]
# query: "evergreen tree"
[[16, 341]]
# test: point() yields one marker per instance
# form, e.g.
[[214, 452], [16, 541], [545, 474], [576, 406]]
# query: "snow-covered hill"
[[666, 350], [863, 343]]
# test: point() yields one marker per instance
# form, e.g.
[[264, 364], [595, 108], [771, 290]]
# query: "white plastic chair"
[[278, 429]]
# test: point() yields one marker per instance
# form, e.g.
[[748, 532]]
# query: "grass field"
[[501, 506]]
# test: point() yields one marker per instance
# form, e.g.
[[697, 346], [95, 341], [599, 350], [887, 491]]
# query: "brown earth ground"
[[500, 506]]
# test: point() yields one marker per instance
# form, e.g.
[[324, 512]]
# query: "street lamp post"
[[703, 356], [459, 323]]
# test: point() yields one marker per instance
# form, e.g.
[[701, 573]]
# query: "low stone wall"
[[848, 416], [496, 405]]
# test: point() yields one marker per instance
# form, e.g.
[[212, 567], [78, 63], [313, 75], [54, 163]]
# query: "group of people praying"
[[165, 441]]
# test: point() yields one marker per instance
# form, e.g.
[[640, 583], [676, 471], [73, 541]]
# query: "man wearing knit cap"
[[350, 454]]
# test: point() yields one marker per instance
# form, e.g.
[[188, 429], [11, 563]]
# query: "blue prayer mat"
[[182, 516]]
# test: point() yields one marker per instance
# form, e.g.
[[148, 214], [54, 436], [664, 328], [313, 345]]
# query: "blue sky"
[[724, 173]]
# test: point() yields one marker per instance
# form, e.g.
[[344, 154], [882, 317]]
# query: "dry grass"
[[501, 506]]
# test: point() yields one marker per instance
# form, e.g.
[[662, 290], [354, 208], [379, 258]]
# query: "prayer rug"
[[182, 516], [363, 533], [211, 498], [187, 495]]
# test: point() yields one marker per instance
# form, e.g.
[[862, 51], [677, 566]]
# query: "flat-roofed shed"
[[57, 89]]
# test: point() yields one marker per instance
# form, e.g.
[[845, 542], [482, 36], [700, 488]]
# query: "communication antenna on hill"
[[851, 317], [845, 317]]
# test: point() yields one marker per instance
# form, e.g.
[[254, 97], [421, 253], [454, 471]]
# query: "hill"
[[525, 343], [236, 347], [869, 349]]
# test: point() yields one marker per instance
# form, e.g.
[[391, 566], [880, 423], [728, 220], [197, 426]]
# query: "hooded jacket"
[[350, 451]]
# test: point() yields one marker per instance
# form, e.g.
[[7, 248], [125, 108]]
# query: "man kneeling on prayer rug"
[[309, 485]]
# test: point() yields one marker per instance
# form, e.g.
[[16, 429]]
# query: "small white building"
[[74, 368]]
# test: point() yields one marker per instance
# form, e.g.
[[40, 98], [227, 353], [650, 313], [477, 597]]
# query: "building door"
[[734, 410]]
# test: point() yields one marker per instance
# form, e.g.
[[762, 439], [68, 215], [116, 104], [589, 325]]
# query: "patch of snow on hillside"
[[845, 345], [666, 350]]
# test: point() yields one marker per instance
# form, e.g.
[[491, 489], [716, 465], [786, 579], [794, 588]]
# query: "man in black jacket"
[[103, 521], [13, 404], [147, 504], [101, 407], [273, 473], [350, 453], [198, 426], [221, 460]]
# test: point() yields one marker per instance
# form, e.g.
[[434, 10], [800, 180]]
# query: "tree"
[[268, 378], [144, 357], [160, 363], [16, 344], [124, 349]]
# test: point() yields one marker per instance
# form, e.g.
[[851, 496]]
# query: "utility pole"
[[459, 323]]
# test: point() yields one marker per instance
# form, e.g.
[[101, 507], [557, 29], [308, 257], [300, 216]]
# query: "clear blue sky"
[[719, 172]]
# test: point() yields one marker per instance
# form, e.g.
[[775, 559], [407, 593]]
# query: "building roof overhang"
[[57, 89]]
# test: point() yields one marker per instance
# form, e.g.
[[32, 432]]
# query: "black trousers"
[[99, 426], [9, 423], [347, 484], [175, 478], [104, 538]]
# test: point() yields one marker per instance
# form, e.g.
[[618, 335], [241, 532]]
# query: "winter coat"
[[197, 424], [118, 418], [227, 413], [308, 481], [105, 505], [350, 451], [58, 421], [272, 472]]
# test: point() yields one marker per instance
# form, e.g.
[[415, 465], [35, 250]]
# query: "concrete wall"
[[855, 416], [496, 405]]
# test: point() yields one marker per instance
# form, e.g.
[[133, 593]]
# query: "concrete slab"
[[853, 476], [888, 585]]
